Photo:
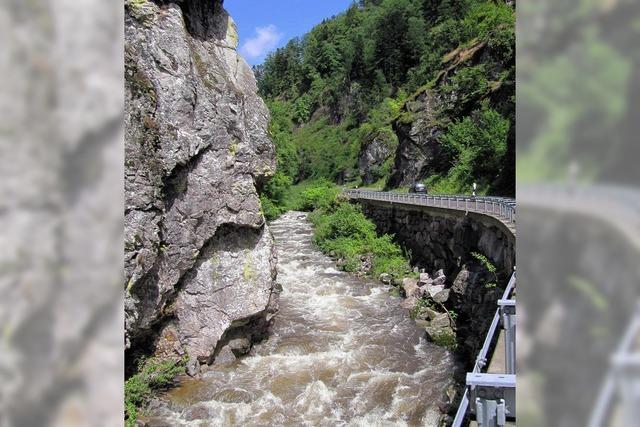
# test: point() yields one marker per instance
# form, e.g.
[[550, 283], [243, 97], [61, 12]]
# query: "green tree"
[[477, 144]]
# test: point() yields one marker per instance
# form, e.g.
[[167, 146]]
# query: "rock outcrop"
[[419, 152], [454, 313], [426, 115], [375, 157], [199, 258]]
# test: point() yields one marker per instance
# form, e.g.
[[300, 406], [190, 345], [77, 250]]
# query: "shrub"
[[319, 197], [311, 195], [139, 387], [466, 85], [346, 234], [346, 221], [270, 210], [477, 144], [490, 268], [447, 340]]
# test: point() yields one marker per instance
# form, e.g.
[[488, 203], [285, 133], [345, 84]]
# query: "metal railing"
[[482, 359], [622, 382], [502, 208]]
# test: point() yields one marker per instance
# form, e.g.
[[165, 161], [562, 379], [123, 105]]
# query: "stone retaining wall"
[[456, 298], [444, 238]]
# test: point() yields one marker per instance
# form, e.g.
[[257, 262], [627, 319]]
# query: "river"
[[342, 352]]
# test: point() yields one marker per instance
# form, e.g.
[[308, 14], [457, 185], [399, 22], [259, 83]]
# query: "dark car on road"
[[418, 188]]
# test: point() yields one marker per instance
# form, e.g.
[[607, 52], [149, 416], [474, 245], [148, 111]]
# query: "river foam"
[[342, 353]]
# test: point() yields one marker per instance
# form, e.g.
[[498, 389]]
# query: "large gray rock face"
[[199, 258], [374, 156], [419, 153]]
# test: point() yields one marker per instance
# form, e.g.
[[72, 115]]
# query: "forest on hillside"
[[390, 85]]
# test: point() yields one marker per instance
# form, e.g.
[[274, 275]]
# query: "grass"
[[311, 195], [446, 340], [139, 388], [344, 233]]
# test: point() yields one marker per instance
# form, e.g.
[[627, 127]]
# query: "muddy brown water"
[[342, 352]]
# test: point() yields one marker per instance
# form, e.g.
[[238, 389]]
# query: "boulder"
[[193, 367], [424, 279], [438, 327], [409, 303], [239, 346], [434, 290], [430, 313], [439, 281], [410, 287], [155, 422], [442, 296], [199, 412], [386, 278], [471, 276], [422, 323], [225, 356]]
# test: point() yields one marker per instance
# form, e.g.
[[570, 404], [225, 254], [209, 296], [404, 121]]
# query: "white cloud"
[[266, 39]]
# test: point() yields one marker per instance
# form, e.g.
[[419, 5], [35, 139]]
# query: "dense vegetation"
[[347, 235], [345, 83], [152, 376], [343, 232]]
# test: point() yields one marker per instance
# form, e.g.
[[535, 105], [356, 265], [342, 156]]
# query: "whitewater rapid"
[[342, 353]]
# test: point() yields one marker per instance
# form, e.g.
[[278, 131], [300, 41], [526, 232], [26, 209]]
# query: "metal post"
[[493, 397], [622, 383], [627, 370], [508, 314], [490, 413]]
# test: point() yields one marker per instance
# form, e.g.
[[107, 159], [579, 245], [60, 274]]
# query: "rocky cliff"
[[473, 77], [199, 258], [375, 157], [419, 153]]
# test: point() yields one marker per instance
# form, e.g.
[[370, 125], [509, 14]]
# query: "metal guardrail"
[[481, 360], [502, 208], [622, 382], [481, 389]]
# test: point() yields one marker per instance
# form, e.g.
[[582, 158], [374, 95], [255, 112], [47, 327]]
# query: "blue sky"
[[264, 25]]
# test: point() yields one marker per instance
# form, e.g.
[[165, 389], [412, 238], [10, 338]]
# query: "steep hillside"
[[391, 92], [199, 259]]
